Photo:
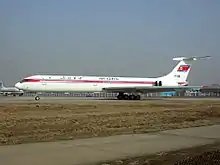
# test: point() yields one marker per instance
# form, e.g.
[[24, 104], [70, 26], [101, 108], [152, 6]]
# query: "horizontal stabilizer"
[[190, 58]]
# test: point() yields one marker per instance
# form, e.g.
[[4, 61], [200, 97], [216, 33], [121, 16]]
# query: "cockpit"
[[24, 80], [29, 80]]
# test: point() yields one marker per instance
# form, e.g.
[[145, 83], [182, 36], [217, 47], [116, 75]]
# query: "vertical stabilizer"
[[181, 71], [1, 84]]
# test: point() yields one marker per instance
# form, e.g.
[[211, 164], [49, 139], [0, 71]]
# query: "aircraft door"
[[43, 84], [95, 86]]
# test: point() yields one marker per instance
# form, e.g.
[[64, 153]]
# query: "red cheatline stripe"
[[93, 81], [90, 81]]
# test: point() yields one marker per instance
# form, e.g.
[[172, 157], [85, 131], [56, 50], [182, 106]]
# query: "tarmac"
[[66, 99], [96, 150]]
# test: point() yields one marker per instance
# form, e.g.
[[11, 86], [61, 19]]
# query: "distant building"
[[214, 88]]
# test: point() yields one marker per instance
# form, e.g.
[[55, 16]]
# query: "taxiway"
[[68, 100], [95, 150]]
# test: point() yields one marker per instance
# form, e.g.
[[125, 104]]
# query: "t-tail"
[[181, 71], [1, 84]]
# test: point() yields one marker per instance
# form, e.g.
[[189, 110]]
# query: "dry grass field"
[[23, 123]]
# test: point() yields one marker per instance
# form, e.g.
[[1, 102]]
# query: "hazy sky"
[[108, 37]]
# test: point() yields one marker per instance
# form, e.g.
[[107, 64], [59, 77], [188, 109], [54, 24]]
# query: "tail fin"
[[181, 71], [1, 84]]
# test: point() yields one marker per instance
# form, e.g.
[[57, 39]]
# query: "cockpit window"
[[29, 80], [24, 80]]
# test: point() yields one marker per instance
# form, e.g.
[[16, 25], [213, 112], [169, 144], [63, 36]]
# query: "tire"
[[138, 97], [132, 97], [119, 97], [37, 98], [126, 97]]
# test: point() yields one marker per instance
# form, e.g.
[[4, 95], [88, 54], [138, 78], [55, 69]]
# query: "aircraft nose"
[[18, 85]]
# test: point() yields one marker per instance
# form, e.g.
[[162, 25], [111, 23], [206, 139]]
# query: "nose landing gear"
[[37, 98]]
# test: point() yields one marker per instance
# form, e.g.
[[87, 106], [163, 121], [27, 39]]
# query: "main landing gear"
[[122, 96]]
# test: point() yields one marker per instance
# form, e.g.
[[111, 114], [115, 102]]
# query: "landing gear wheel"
[[120, 97], [37, 98], [132, 97], [126, 97], [138, 97], [123, 96]]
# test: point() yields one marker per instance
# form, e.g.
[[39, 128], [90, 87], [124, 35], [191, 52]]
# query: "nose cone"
[[18, 85]]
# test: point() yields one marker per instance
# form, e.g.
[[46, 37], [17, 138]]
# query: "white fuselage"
[[52, 83]]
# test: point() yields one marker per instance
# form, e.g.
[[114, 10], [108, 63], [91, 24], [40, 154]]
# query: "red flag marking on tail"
[[183, 68]]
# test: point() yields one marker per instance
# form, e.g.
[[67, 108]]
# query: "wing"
[[149, 89]]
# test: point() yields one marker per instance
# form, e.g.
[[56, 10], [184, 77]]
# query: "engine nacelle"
[[165, 83], [158, 83]]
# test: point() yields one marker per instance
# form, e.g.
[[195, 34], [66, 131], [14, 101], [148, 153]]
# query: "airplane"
[[10, 90], [174, 81]]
